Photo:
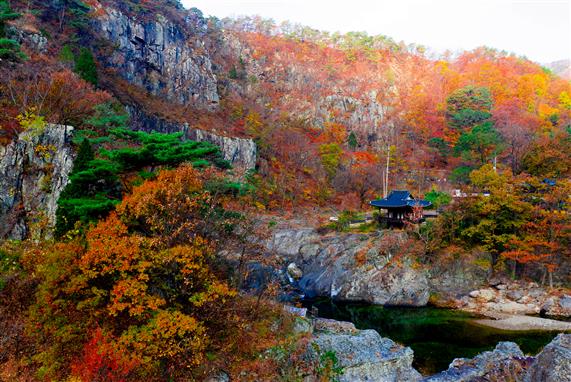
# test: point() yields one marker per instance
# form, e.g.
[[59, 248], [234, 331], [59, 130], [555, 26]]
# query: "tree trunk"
[[550, 279], [62, 18], [240, 270], [387, 171]]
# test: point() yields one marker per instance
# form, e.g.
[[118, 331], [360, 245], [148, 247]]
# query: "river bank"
[[522, 323]]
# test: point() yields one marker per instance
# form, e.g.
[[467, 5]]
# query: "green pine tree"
[[85, 66], [66, 54], [9, 49], [352, 141], [6, 13], [85, 155]]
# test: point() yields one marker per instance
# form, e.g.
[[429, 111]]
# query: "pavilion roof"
[[398, 199]]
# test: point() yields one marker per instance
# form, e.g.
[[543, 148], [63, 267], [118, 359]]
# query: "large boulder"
[[350, 267], [289, 242], [34, 170], [363, 355], [505, 363], [553, 364]]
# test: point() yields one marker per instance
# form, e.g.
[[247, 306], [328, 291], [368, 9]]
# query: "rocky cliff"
[[166, 58], [352, 267], [279, 80], [34, 170]]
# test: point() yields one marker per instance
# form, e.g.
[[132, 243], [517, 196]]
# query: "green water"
[[436, 335]]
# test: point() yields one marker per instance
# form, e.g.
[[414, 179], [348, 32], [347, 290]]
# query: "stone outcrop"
[[366, 114], [27, 36], [360, 111], [362, 354], [553, 364], [455, 276], [34, 170], [330, 267], [505, 363], [164, 57], [240, 152]]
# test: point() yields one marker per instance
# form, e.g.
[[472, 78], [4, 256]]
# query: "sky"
[[537, 29]]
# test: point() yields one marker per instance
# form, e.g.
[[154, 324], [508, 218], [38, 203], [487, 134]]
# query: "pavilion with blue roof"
[[400, 207]]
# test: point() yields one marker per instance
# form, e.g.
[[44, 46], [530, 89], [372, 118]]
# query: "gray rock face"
[[240, 152], [330, 267], [29, 38], [456, 277], [553, 364], [367, 113], [34, 170], [165, 58], [363, 354]]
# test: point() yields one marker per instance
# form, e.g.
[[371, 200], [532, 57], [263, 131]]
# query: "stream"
[[436, 335]]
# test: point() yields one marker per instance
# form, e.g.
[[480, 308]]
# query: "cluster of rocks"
[[508, 363], [517, 298]]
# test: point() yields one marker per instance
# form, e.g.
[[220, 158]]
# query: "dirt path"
[[514, 322]]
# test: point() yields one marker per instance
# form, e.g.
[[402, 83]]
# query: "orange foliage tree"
[[140, 296]]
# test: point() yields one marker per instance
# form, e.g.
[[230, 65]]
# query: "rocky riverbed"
[[351, 267], [364, 355], [518, 298]]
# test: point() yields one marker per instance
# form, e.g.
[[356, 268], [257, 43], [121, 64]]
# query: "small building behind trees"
[[400, 207]]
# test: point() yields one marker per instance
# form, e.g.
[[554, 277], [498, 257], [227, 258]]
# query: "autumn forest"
[[176, 190]]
